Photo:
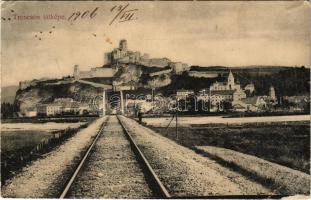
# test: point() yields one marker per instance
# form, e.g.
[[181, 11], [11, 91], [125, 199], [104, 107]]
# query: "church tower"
[[230, 81]]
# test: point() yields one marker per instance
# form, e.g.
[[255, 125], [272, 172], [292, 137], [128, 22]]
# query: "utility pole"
[[104, 102], [210, 100], [152, 98], [176, 126], [152, 94], [122, 103]]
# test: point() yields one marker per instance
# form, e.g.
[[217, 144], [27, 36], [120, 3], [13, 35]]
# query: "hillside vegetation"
[[286, 81]]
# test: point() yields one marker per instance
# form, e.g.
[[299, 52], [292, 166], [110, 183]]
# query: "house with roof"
[[229, 90], [61, 106], [249, 89], [298, 102], [226, 95], [49, 109], [253, 104], [238, 95], [226, 85], [217, 96], [31, 112]]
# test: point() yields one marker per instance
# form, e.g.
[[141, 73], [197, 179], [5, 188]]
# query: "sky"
[[198, 33]]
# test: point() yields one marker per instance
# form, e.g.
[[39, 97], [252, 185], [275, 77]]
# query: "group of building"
[[60, 106], [219, 93], [231, 92]]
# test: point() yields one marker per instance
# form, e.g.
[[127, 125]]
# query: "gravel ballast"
[[44, 177], [112, 170], [186, 173]]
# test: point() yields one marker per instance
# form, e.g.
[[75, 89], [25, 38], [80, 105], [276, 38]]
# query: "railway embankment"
[[46, 176], [188, 174], [282, 179]]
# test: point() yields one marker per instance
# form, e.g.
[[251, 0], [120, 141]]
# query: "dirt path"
[[186, 173], [112, 170], [44, 177]]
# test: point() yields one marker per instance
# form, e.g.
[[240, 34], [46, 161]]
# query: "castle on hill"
[[122, 55]]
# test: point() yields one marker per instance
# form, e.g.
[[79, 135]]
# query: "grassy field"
[[64, 119], [24, 142], [16, 140], [288, 145], [49, 126], [17, 137], [203, 120]]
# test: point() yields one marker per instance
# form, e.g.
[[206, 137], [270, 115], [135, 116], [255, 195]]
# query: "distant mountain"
[[8, 93]]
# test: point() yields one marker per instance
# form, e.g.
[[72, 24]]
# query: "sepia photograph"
[[155, 99]]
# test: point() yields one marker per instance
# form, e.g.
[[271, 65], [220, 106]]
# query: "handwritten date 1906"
[[83, 15], [122, 14]]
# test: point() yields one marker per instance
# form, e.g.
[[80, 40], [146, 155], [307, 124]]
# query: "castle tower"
[[107, 58], [230, 81], [272, 93], [76, 72], [123, 45]]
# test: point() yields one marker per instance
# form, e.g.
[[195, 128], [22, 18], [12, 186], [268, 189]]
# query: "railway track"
[[114, 167], [82, 162]]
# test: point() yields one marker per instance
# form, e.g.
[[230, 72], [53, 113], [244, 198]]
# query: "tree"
[[227, 105], [306, 107], [286, 104], [9, 110]]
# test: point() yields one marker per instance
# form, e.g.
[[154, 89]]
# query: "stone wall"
[[179, 67], [94, 72], [161, 72]]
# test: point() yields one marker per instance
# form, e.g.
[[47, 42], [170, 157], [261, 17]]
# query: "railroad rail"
[[153, 181], [82, 162], [155, 184]]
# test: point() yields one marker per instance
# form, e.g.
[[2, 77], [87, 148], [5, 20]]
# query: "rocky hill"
[[28, 98], [127, 74]]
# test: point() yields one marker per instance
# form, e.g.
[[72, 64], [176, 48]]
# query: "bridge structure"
[[106, 88]]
